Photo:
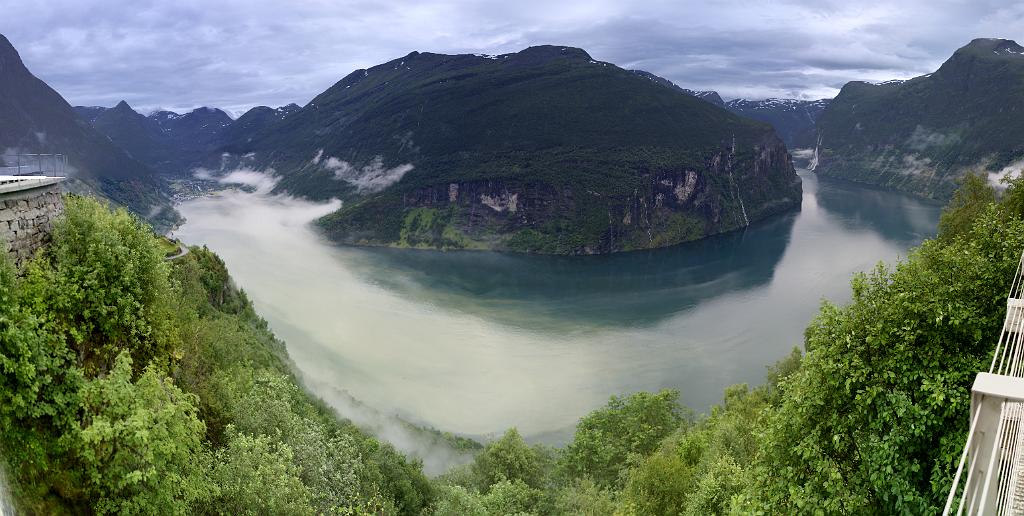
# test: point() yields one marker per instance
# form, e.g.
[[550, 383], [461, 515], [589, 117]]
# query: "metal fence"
[[50, 165]]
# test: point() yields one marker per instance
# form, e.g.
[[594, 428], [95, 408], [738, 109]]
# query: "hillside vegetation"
[[132, 385], [135, 386]]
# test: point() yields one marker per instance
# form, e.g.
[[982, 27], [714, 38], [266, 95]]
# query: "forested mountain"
[[794, 120], [922, 134], [543, 150], [166, 141], [36, 119]]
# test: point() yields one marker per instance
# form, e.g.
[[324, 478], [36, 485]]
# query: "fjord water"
[[476, 342]]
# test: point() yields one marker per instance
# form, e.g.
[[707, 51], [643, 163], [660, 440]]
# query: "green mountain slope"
[[36, 119], [922, 134], [544, 150]]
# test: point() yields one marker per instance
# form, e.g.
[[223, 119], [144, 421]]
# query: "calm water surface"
[[474, 342]]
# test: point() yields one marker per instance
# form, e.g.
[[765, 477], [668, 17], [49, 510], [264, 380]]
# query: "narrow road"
[[182, 251]]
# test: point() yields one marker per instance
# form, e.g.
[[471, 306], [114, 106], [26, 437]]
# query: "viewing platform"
[[993, 456], [17, 183], [20, 172]]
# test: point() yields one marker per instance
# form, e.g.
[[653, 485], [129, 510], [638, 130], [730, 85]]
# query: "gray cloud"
[[239, 53]]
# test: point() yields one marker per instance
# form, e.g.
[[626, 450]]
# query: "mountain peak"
[[10, 60], [544, 53], [123, 105], [990, 46], [208, 111]]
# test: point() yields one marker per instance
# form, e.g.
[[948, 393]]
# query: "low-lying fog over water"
[[473, 342]]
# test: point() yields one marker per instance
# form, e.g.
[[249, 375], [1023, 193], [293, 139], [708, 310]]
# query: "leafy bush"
[[606, 438], [140, 444]]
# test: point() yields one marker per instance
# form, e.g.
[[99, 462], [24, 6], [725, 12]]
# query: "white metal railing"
[[994, 452], [50, 165]]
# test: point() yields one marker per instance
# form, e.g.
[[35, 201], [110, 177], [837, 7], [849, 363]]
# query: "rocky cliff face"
[[664, 207]]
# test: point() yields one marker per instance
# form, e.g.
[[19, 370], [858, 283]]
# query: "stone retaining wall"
[[26, 218]]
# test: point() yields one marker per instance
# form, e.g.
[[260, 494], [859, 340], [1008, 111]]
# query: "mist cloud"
[[372, 177]]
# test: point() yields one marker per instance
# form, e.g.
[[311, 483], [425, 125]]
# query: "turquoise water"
[[475, 342]]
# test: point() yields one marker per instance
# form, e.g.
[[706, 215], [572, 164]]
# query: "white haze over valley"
[[477, 367]]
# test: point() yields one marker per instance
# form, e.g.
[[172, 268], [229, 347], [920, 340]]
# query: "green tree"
[[140, 444], [974, 196], [511, 497], [511, 459], [1012, 201], [584, 498], [607, 437], [256, 476], [874, 419], [39, 392], [457, 501], [104, 283]]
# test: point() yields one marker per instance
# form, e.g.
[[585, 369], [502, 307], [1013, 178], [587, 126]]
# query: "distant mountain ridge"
[[173, 143], [36, 119], [922, 134], [542, 150], [253, 121], [793, 119]]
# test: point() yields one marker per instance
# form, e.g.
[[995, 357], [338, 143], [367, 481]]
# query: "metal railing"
[[993, 455], [50, 165]]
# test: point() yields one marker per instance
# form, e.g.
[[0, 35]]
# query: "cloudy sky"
[[239, 53]]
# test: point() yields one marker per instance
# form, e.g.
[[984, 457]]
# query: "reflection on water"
[[562, 293], [476, 342]]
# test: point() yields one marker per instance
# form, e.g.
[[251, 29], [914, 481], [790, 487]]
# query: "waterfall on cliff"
[[735, 189], [814, 158]]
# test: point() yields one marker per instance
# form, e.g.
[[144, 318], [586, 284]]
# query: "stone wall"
[[26, 218]]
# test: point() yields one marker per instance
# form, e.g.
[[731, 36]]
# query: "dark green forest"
[[134, 385]]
